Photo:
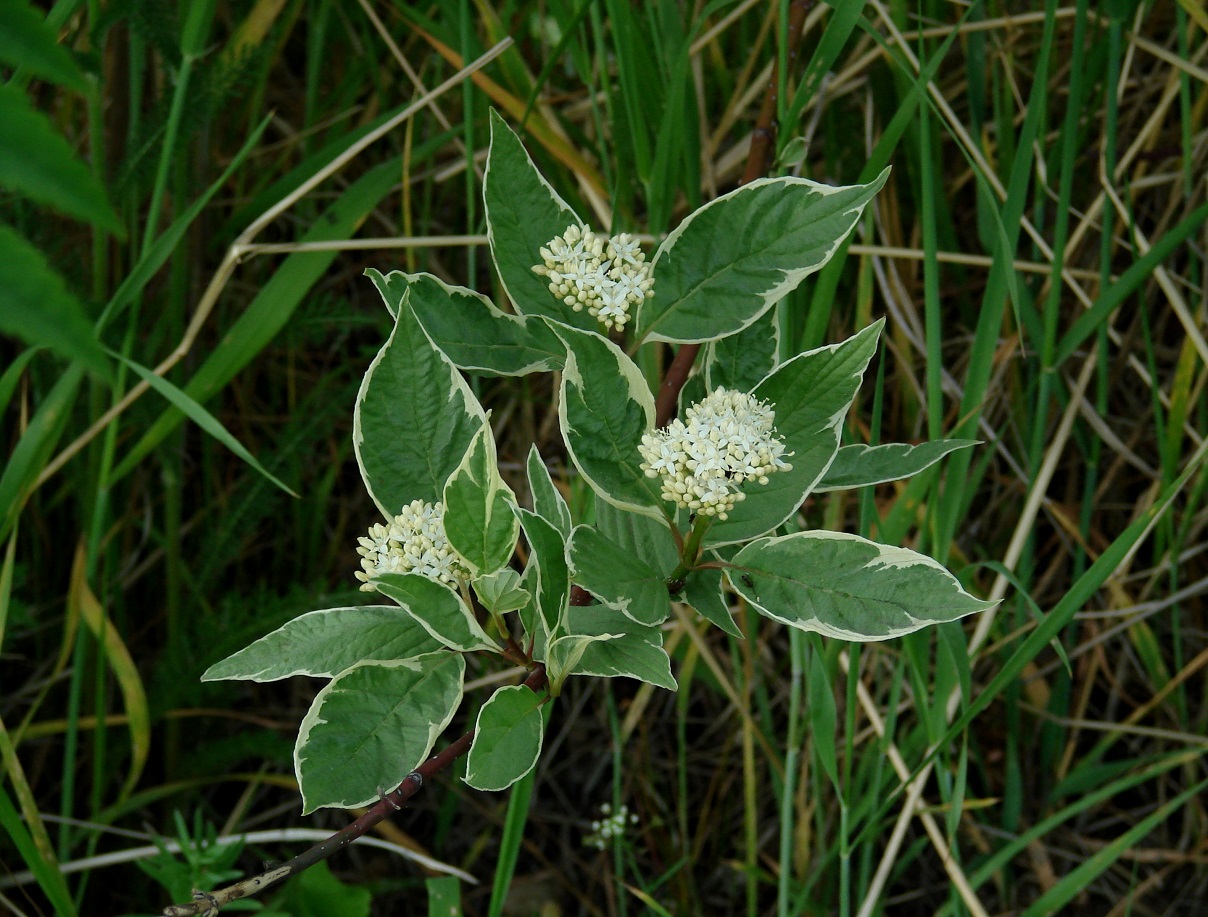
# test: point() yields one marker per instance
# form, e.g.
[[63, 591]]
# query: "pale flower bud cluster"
[[413, 542], [611, 825], [604, 276], [724, 440]]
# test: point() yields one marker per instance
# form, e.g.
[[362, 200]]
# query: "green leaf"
[[642, 536], [633, 651], [28, 42], [326, 642], [536, 633], [200, 416], [547, 500], [1137, 273], [618, 578], [479, 522], [547, 576], [604, 409], [810, 395], [703, 591], [510, 839], [318, 893], [848, 587], [564, 654], [444, 896], [859, 466], [372, 726], [470, 329], [415, 418], [730, 261], [37, 306], [741, 361], [524, 213], [507, 739], [500, 592], [438, 609], [38, 163]]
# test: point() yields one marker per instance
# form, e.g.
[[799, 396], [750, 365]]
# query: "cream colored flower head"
[[604, 276], [704, 459], [413, 542]]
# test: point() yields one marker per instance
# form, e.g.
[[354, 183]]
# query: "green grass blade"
[[273, 306], [1137, 273], [115, 656], [200, 416], [12, 376], [28, 833], [35, 446], [799, 657], [834, 39], [152, 257], [1063, 612], [1086, 801], [6, 584], [1073, 883]]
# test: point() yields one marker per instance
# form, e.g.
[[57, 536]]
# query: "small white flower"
[[626, 248], [725, 440], [605, 277], [413, 542]]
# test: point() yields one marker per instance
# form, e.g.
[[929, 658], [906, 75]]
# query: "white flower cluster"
[[612, 825], [413, 542], [605, 276], [726, 439]]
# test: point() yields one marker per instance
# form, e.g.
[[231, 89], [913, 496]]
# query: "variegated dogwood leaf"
[[372, 725], [848, 587]]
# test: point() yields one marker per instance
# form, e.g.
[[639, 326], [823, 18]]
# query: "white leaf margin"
[[942, 448], [887, 556], [792, 277], [313, 719], [302, 621], [716, 537], [470, 777], [471, 406], [520, 320], [497, 120], [639, 391], [492, 487]]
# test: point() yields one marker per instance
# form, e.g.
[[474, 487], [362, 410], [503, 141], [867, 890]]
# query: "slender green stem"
[[691, 550]]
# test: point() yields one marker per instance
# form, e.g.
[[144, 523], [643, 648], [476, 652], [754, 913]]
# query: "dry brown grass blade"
[[542, 132]]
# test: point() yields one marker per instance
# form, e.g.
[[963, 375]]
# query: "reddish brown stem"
[[667, 404], [763, 138]]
